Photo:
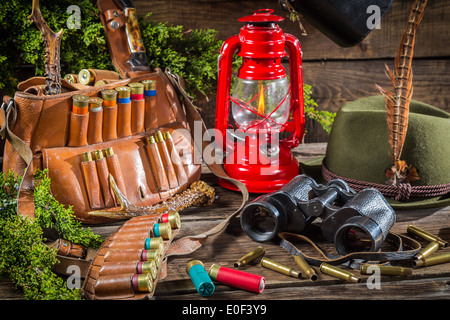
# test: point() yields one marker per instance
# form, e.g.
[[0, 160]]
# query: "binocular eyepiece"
[[352, 221]]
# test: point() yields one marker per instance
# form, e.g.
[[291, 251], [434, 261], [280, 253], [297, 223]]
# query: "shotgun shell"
[[142, 282], [95, 104], [280, 268], [152, 255], [123, 94], [154, 243], [71, 78], [431, 248], [99, 83], [426, 235], [432, 260], [237, 278], [149, 85], [80, 104], [200, 278], [147, 267], [137, 90], [386, 270], [85, 77], [306, 269], [86, 156], [258, 252], [173, 218], [338, 273], [109, 95], [162, 230]]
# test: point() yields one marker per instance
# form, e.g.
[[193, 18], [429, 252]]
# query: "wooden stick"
[[52, 43]]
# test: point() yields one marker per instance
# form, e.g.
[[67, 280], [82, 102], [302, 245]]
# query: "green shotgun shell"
[[200, 278], [163, 230], [154, 243]]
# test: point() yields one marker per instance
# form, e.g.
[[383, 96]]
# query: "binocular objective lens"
[[357, 240], [262, 220]]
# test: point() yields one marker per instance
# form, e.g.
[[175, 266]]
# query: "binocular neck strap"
[[406, 248]]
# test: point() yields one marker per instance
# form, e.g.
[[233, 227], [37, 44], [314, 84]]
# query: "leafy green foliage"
[[323, 117], [23, 256], [192, 53]]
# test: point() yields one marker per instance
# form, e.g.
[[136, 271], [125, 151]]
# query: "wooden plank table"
[[227, 247]]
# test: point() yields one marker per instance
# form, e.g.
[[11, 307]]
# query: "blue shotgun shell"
[[200, 278]]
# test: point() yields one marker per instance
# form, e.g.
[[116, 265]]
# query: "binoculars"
[[353, 221]]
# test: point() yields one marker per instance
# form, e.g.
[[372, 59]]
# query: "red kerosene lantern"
[[264, 103]]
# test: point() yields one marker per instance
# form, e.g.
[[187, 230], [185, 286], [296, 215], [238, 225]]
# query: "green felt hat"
[[358, 152]]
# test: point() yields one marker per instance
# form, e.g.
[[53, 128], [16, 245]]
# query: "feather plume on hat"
[[397, 102]]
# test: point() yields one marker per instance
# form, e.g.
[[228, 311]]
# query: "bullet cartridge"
[[386, 270], [258, 252], [426, 235], [280, 268], [432, 260], [338, 273], [305, 268], [71, 78], [431, 248]]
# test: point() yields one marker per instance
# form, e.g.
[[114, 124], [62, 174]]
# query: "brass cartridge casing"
[[136, 87], [109, 94], [87, 156], [426, 235], [150, 140], [432, 260], [306, 269], [149, 84], [85, 77], [431, 248], [155, 243], [386, 270], [280, 268], [338, 273], [109, 151], [123, 92], [98, 154], [258, 252], [159, 136]]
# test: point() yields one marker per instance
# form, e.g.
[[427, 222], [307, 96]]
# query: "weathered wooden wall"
[[337, 74]]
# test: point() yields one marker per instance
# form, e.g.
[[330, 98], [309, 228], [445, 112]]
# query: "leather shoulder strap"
[[191, 243]]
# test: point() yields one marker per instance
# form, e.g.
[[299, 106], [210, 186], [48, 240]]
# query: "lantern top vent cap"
[[261, 16]]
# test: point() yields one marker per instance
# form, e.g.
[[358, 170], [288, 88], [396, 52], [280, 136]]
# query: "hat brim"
[[313, 168]]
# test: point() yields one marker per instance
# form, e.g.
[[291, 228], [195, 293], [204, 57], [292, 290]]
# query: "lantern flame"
[[261, 102]]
